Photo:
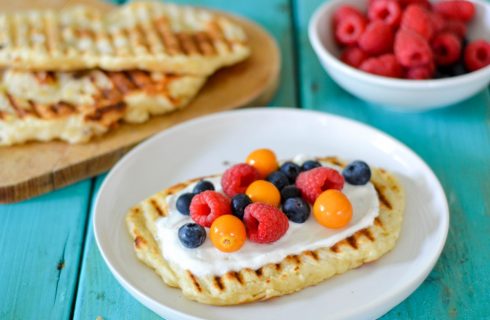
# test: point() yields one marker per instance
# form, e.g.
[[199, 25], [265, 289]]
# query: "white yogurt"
[[310, 235]]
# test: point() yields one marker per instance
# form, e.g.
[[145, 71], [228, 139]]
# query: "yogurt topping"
[[207, 260]]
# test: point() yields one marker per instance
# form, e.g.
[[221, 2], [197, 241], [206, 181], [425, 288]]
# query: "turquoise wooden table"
[[50, 267]]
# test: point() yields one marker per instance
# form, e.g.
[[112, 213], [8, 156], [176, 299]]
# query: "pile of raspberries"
[[411, 39]]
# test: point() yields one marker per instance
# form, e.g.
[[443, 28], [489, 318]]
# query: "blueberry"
[[457, 69], [239, 203], [290, 192], [310, 164], [357, 173], [291, 170], [203, 185], [441, 74], [183, 203], [296, 209], [192, 235], [279, 179]]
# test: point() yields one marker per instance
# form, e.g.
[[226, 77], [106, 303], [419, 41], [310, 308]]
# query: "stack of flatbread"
[[75, 73]]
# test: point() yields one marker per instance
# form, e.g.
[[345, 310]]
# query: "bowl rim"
[[324, 54]]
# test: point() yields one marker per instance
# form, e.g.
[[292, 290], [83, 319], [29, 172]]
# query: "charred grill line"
[[382, 198], [194, 281], [219, 283], [154, 204], [352, 241]]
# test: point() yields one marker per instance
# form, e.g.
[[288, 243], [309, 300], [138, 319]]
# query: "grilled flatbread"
[[141, 35], [293, 273], [76, 106]]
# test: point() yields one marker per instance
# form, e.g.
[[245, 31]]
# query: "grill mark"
[[63, 108], [99, 113], [168, 39], [367, 234], [219, 283], [45, 77], [215, 32], [278, 267], [312, 254], [142, 40], [139, 241], [141, 79], [155, 206], [194, 281], [34, 108], [382, 198], [203, 43], [237, 276], [335, 248], [187, 43], [378, 222], [120, 82], [19, 111], [352, 241], [258, 272]]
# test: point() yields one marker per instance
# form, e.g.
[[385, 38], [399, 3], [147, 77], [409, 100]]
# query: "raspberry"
[[388, 11], [350, 29], [313, 182], [411, 49], [207, 206], [447, 48], [477, 55], [385, 65], [264, 223], [457, 9], [438, 22], [421, 73], [422, 3], [455, 26], [353, 56], [344, 11], [236, 179], [417, 19], [377, 39]]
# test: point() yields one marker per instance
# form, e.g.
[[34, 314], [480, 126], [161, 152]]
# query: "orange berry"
[[332, 209], [227, 233], [265, 192], [264, 160]]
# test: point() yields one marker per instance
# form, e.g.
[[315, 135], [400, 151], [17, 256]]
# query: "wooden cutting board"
[[35, 168]]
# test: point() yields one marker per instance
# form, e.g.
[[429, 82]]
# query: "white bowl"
[[402, 95]]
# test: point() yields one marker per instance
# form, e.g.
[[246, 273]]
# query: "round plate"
[[206, 145]]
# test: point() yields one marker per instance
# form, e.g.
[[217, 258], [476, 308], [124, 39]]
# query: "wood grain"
[[36, 168], [41, 244], [455, 142]]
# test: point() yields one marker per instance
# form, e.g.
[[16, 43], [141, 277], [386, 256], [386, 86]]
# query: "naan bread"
[[149, 36], [76, 106], [293, 273]]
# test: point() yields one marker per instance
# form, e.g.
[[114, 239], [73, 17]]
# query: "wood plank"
[[57, 164], [40, 249], [455, 142], [99, 293]]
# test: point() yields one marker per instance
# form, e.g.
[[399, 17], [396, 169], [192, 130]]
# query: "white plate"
[[202, 146]]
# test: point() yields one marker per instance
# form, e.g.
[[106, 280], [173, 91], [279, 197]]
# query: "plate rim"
[[371, 307]]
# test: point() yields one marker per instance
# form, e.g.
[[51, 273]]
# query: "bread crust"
[[292, 274], [140, 35]]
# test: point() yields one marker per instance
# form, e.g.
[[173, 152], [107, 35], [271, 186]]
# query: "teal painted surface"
[[40, 250], [35, 236], [455, 142], [99, 293]]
